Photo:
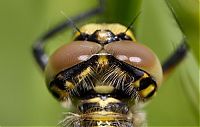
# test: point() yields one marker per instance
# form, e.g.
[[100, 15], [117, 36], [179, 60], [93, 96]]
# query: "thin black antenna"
[[72, 23], [133, 21]]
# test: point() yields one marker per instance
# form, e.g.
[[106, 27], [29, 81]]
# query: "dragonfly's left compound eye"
[[69, 55], [136, 55]]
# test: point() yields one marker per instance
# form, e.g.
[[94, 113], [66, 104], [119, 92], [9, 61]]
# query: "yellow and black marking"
[[104, 33], [103, 88], [104, 110], [106, 88], [145, 85]]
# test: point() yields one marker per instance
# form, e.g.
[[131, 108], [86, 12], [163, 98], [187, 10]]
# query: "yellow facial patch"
[[145, 92], [104, 89], [84, 73], [103, 60], [101, 102], [69, 85], [62, 94]]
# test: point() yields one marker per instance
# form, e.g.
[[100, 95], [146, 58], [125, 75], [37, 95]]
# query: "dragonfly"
[[104, 73]]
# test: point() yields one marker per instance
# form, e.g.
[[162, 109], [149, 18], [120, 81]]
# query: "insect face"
[[104, 72]]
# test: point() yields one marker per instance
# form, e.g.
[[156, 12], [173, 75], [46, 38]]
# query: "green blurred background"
[[24, 98]]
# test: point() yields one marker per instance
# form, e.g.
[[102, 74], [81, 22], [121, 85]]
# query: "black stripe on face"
[[103, 103], [148, 87], [58, 93], [145, 82], [99, 123], [121, 108], [89, 107], [117, 107]]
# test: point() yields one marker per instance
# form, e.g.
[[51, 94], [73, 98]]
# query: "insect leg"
[[175, 58], [38, 47], [181, 51]]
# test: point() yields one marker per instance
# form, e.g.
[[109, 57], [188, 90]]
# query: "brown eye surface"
[[136, 55], [69, 55]]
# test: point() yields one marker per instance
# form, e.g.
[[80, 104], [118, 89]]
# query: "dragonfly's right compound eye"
[[136, 55]]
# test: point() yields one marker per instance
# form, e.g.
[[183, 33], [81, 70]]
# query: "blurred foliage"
[[187, 13], [24, 97]]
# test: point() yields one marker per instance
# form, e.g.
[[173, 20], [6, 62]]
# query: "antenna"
[[72, 23], [133, 21]]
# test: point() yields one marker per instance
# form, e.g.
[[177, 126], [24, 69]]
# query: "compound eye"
[[136, 55], [69, 55]]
